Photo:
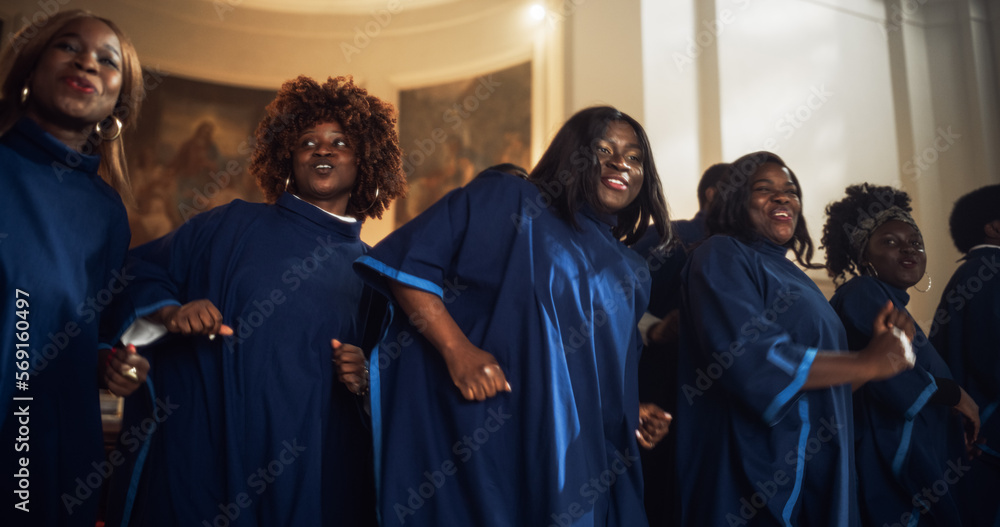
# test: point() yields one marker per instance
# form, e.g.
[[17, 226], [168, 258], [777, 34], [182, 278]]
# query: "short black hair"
[[971, 213], [568, 171], [729, 212], [862, 201], [709, 179]]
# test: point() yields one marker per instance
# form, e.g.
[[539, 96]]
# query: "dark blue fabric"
[[903, 444], [665, 265], [558, 308], [753, 448], [253, 429], [64, 238], [967, 334], [658, 364]]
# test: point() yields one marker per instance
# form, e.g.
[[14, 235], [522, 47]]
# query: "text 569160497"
[[22, 402]]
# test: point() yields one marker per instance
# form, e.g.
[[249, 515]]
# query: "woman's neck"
[[73, 137]]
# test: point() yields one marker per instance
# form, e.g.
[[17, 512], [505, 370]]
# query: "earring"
[[25, 92], [374, 201], [118, 130], [928, 284], [287, 181], [869, 269]]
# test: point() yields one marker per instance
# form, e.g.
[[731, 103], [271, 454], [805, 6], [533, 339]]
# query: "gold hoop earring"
[[118, 130], [869, 270], [929, 281], [25, 92], [374, 200], [288, 180]]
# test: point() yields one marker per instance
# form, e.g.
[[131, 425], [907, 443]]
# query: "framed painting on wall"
[[190, 151], [450, 132]]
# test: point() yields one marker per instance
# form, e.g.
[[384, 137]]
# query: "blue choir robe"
[[558, 308], [63, 243], [658, 365], [252, 429], [967, 334], [903, 443], [753, 448]]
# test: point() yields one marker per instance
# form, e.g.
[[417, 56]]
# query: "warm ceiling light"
[[537, 12]]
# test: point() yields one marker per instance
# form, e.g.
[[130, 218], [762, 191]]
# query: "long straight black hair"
[[568, 173]]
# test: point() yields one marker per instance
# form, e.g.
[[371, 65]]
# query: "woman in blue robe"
[[905, 440], [764, 401], [69, 87], [253, 428], [967, 331], [504, 389]]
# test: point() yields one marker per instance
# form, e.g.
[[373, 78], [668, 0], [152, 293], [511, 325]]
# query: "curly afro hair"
[[862, 201], [978, 208], [368, 122]]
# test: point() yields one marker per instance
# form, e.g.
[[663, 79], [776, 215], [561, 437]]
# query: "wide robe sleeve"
[[159, 271], [420, 254], [728, 306]]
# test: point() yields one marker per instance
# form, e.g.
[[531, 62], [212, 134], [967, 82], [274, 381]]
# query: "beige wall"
[[847, 91]]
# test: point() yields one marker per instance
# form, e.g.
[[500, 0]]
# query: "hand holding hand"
[[476, 373], [125, 370], [654, 424], [199, 317], [352, 368]]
